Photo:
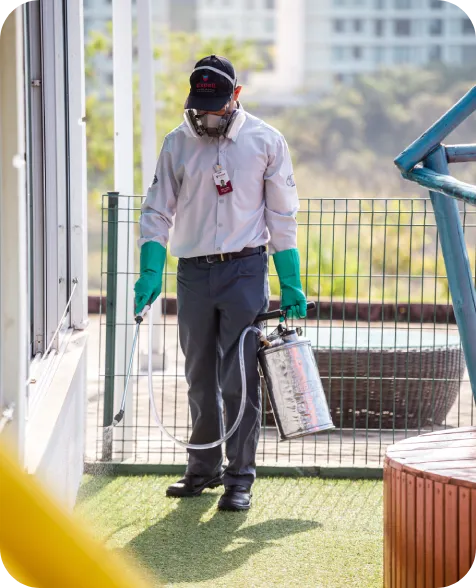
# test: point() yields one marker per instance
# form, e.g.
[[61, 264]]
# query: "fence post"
[[458, 269], [111, 296]]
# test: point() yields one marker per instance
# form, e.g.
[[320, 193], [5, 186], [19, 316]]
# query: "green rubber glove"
[[293, 299], [149, 285]]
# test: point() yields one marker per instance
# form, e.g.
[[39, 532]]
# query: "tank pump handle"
[[276, 314]]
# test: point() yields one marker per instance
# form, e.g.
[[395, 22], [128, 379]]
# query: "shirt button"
[[221, 201], [218, 248], [220, 225]]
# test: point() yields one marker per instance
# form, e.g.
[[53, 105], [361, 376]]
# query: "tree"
[[355, 132]]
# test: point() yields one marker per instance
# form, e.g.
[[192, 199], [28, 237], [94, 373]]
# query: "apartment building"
[[320, 42], [244, 20]]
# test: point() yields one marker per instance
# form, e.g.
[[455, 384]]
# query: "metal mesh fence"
[[384, 336]]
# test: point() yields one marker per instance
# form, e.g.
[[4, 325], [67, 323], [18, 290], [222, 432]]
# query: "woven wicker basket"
[[389, 388]]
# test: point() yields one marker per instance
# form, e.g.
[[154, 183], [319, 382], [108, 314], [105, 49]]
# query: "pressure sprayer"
[[290, 372]]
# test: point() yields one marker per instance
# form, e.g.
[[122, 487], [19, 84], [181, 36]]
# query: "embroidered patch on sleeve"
[[290, 181], [155, 180]]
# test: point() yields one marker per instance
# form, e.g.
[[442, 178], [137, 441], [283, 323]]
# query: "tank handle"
[[276, 314]]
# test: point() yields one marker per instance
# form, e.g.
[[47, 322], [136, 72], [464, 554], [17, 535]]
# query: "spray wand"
[[139, 319]]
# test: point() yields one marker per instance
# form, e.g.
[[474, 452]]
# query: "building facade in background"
[[321, 42], [306, 46], [244, 20]]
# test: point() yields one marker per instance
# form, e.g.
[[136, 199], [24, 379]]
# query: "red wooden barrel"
[[430, 509]]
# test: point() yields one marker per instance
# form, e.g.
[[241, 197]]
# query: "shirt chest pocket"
[[248, 189]]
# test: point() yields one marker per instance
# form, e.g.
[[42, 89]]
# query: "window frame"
[[48, 156], [35, 176]]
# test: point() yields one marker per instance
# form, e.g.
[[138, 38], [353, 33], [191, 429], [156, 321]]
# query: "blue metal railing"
[[425, 162]]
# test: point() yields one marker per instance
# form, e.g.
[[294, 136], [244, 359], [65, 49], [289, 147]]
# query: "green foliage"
[[356, 131]]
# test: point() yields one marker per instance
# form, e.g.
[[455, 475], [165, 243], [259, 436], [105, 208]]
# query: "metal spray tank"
[[294, 386]]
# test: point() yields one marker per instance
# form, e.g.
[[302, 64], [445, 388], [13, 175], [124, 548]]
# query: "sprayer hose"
[[241, 412]]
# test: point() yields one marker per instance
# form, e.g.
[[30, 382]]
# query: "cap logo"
[[205, 78]]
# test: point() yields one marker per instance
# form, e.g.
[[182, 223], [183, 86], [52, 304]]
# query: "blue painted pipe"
[[460, 279], [460, 153], [431, 139], [442, 183]]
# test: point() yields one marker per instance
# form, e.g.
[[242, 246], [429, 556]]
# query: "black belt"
[[220, 257]]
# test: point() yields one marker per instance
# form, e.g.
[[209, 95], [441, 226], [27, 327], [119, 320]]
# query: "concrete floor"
[[140, 441]]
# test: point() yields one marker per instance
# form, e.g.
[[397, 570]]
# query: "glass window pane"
[[436, 27], [467, 27], [339, 25], [402, 27], [379, 28], [468, 55], [435, 54], [338, 53]]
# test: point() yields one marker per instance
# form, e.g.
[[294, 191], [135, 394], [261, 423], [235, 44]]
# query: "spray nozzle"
[[140, 316]]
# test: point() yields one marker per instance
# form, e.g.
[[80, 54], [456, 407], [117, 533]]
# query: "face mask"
[[212, 124], [211, 121]]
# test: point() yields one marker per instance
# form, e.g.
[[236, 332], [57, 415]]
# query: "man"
[[227, 178]]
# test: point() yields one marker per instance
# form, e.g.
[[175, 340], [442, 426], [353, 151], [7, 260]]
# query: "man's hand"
[[149, 285], [293, 299]]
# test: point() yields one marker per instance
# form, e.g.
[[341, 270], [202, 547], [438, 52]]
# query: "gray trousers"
[[215, 303]]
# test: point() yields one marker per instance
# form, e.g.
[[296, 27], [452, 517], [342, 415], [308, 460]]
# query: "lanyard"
[[218, 167]]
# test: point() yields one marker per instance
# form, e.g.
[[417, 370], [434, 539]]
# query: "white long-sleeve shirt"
[[261, 209]]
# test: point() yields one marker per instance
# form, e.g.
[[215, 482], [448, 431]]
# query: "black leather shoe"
[[235, 498], [192, 486]]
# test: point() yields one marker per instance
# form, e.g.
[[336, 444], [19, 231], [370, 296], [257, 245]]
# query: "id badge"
[[222, 182]]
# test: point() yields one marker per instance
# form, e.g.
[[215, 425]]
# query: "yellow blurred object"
[[43, 547]]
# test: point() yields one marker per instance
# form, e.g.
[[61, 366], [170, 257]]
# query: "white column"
[[149, 155], [13, 234], [124, 184], [78, 171], [290, 49]]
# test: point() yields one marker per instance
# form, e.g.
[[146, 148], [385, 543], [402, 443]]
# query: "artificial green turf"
[[300, 532]]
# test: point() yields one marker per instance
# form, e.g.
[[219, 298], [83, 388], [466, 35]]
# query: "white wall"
[[55, 439], [48, 439]]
